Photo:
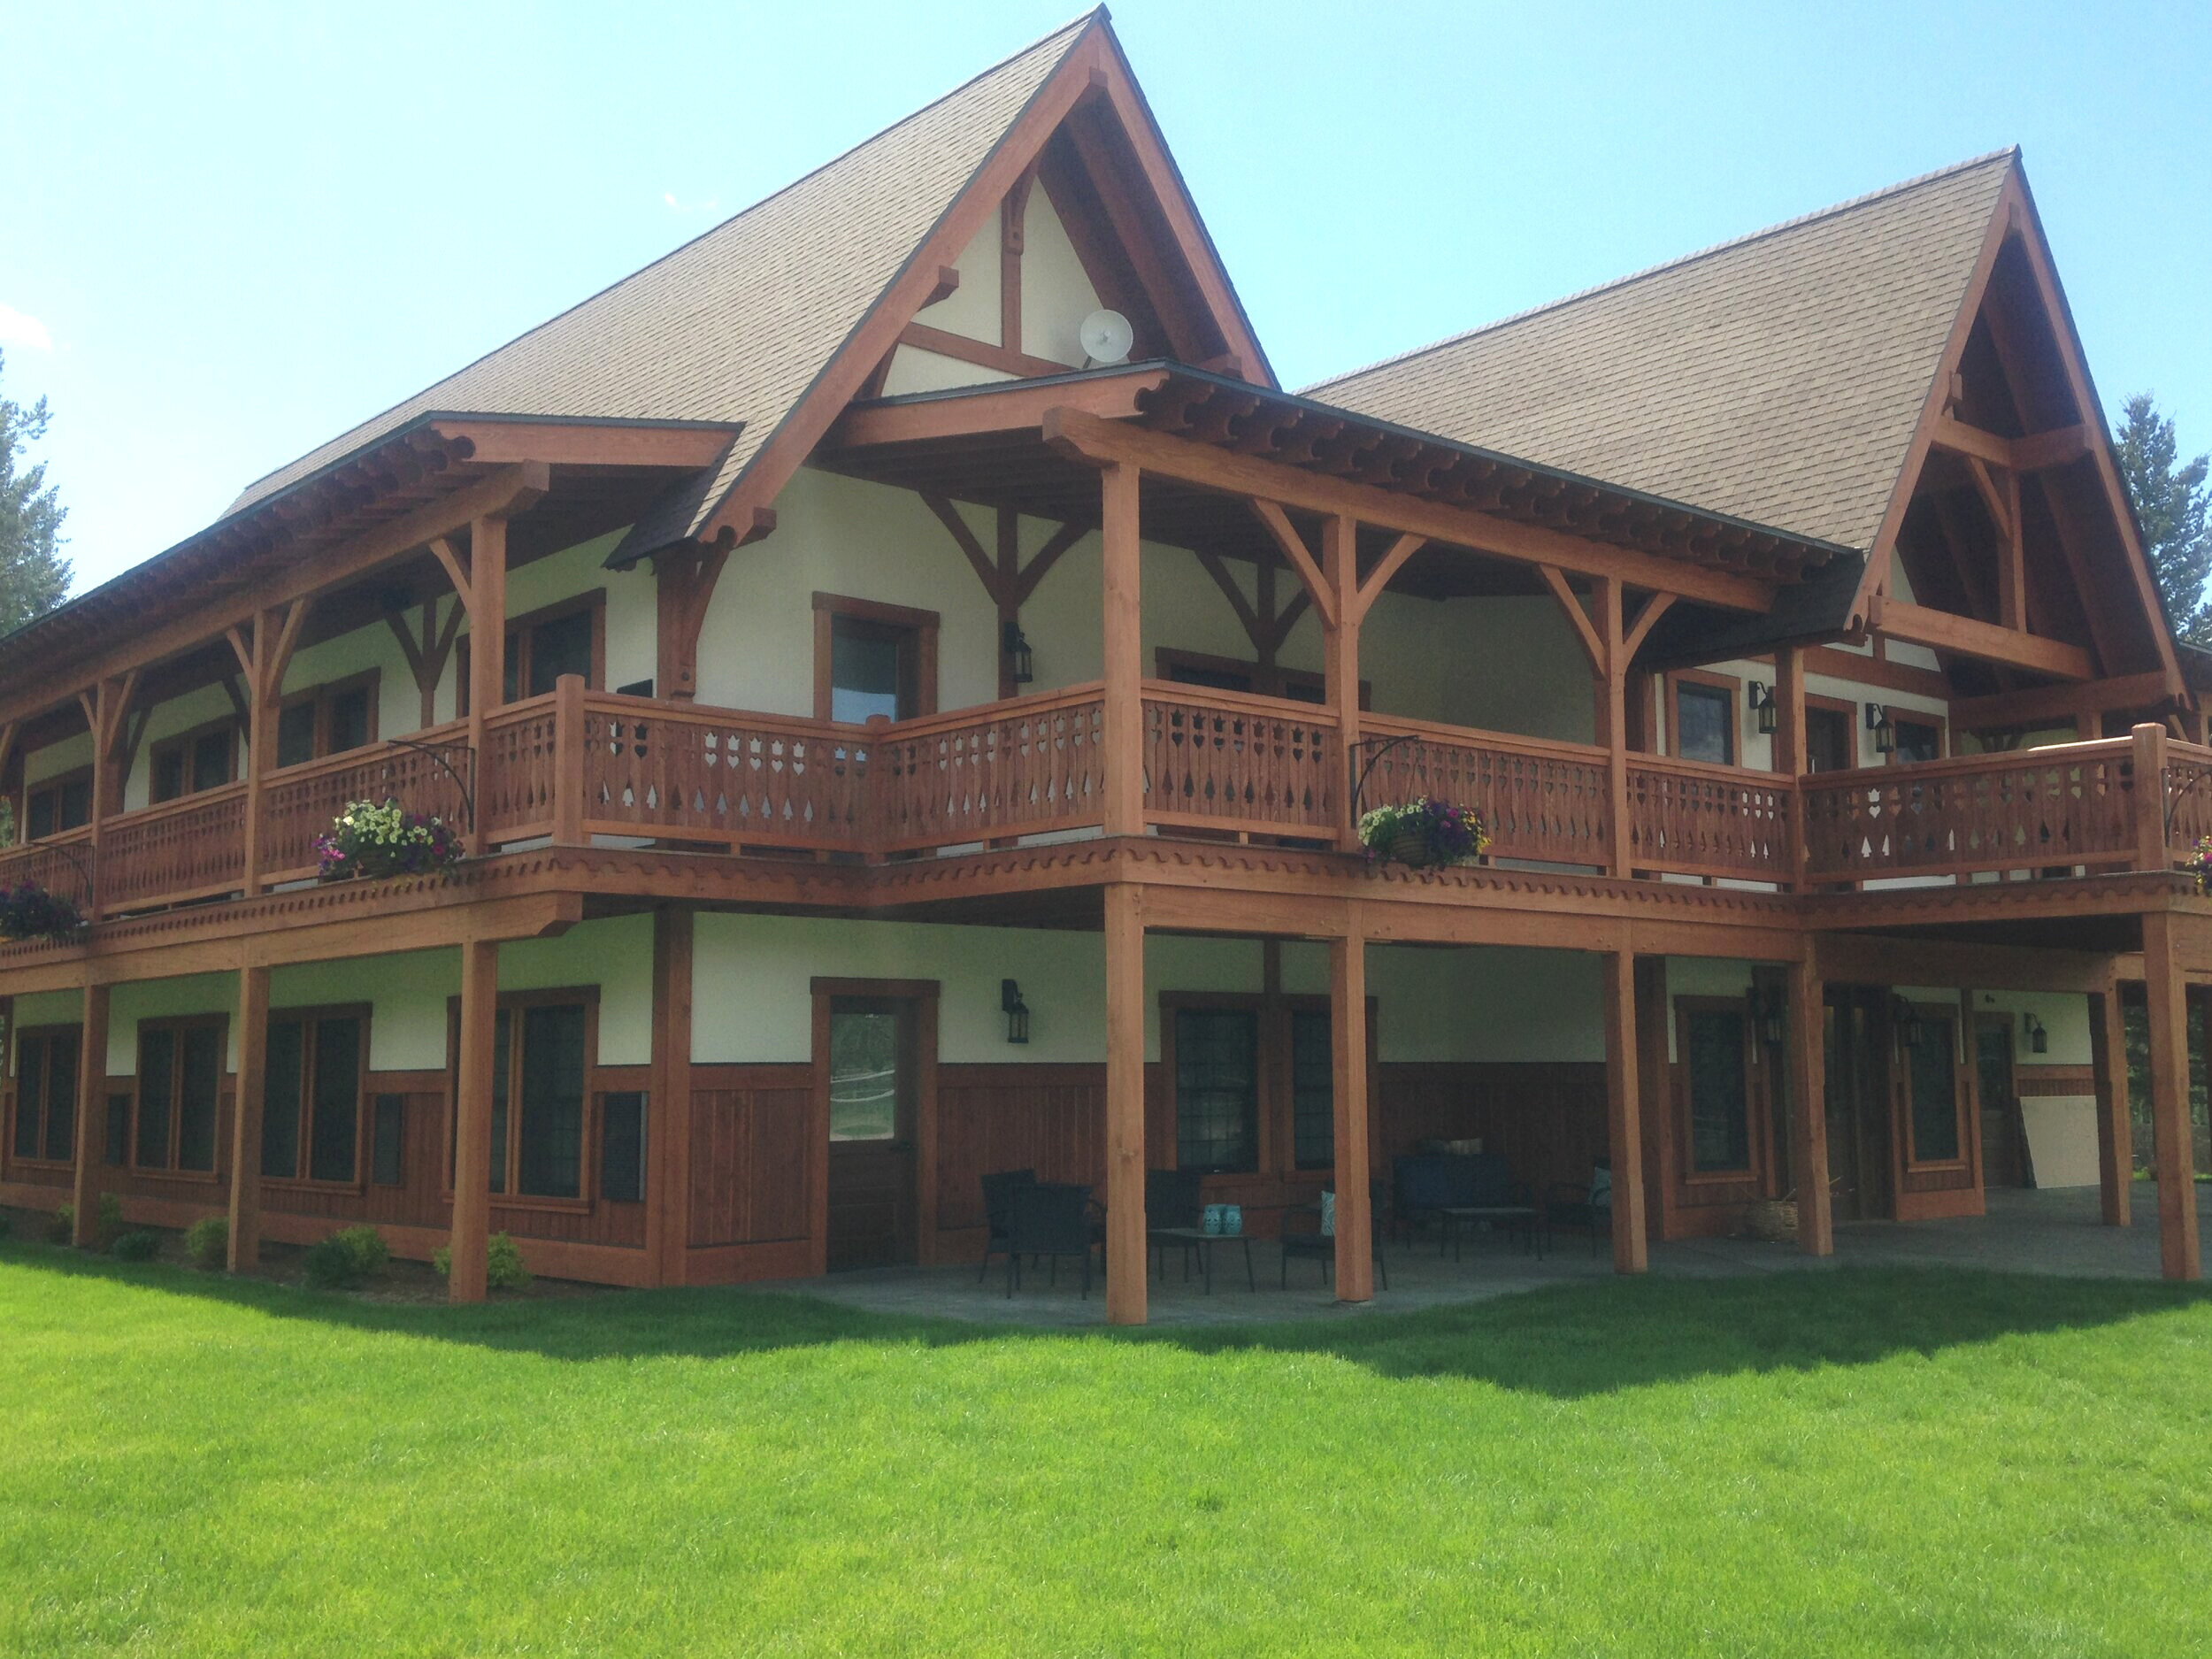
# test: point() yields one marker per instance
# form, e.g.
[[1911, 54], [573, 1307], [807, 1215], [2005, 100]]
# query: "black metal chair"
[[998, 1210], [1321, 1247], [1050, 1220], [1587, 1208], [1173, 1198]]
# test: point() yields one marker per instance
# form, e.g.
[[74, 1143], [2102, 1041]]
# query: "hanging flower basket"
[[368, 842], [28, 910], [1424, 834], [2199, 863]]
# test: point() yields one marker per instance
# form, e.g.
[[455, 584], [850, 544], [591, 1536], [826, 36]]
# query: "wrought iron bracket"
[[436, 751], [1360, 770]]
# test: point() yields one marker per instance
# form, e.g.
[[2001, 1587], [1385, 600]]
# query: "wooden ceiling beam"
[[982, 414], [2058, 703], [1941, 631], [587, 443]]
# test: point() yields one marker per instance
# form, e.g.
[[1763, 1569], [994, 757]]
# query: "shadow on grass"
[[1567, 1341]]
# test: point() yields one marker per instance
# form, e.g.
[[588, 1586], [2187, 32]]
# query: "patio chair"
[[1173, 1198], [1586, 1208], [1051, 1220], [998, 1210], [1321, 1247]]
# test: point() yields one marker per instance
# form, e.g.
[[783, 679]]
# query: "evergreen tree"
[[33, 575], [2174, 506]]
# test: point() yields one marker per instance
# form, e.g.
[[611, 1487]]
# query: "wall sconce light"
[[1017, 1011], [1906, 1017], [1884, 729], [2039, 1039], [1762, 708], [1021, 666]]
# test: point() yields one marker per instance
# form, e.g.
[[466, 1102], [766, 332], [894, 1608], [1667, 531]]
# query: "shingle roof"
[[1777, 378], [735, 325]]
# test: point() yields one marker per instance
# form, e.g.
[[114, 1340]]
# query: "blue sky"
[[227, 233]]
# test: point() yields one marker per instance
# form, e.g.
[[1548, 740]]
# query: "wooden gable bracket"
[[1013, 237], [685, 576]]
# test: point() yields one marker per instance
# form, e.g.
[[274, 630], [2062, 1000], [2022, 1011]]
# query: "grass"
[[1858, 1462]]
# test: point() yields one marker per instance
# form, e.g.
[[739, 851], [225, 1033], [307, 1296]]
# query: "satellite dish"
[[1105, 337]]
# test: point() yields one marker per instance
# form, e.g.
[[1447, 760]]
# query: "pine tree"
[[2174, 506], [33, 575]]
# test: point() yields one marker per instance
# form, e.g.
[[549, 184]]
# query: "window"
[[1312, 1089], [1217, 1089], [872, 659], [622, 1146], [310, 1116], [1932, 1076], [179, 1085], [46, 1094], [1831, 744], [1715, 1042], [57, 804], [387, 1141], [195, 760], [870, 1066], [541, 1061], [326, 720], [1918, 739], [1705, 720], [567, 638]]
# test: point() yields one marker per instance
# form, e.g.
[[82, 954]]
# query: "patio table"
[[1203, 1242], [1457, 1216]]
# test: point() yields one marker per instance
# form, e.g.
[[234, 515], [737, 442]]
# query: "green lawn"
[[1848, 1462]]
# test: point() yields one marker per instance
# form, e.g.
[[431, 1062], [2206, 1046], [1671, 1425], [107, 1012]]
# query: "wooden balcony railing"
[[571, 765]]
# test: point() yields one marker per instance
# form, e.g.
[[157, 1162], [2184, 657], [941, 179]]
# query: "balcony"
[[574, 767]]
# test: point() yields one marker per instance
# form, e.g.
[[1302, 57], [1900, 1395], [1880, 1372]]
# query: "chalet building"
[[906, 726]]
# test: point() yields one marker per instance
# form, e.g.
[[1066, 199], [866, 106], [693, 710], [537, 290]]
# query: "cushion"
[[1328, 1215]]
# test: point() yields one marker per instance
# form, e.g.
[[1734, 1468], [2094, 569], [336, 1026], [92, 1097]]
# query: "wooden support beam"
[[1391, 563], [1300, 557], [990, 409], [964, 538], [1612, 715], [686, 446], [1941, 631], [1655, 606], [1807, 1033], [1577, 616], [92, 1117], [2056, 705], [1013, 238], [1044, 558], [488, 649], [668, 1105], [1340, 648], [2168, 989], [1624, 1133], [1007, 360], [243, 1243], [1125, 1287], [473, 1149], [2148, 803], [1790, 759], [1123, 716], [1097, 441], [2115, 1129], [1347, 1061]]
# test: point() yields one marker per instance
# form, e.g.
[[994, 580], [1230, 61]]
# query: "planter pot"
[[1773, 1220], [1410, 847]]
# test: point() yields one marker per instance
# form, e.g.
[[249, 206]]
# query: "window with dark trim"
[[311, 1114], [1217, 1089], [1932, 1080], [1312, 1088], [56, 805], [622, 1146], [46, 1094], [542, 1063], [202, 758], [180, 1091], [1917, 738], [387, 1141], [873, 659], [1705, 721], [1715, 1041], [1831, 735], [567, 637], [328, 719]]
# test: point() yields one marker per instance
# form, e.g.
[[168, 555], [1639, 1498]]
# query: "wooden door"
[[871, 1066], [1858, 1102], [2004, 1136]]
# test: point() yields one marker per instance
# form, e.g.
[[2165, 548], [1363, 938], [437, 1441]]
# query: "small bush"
[[110, 1218], [7, 1223], [367, 1248], [207, 1241], [61, 1225], [138, 1245], [343, 1260], [502, 1262]]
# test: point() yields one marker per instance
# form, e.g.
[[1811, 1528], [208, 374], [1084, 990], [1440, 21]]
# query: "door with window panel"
[[872, 1066]]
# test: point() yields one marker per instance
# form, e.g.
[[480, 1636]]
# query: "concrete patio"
[[2056, 1232]]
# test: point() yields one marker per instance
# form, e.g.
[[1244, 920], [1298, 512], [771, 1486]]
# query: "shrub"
[[7, 1223], [345, 1259], [1424, 832], [366, 1245], [207, 1241], [110, 1218], [27, 911], [62, 1224], [138, 1245], [502, 1264]]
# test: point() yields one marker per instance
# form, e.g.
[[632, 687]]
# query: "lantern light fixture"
[[1763, 707], [1021, 666], [1884, 729], [1017, 1011], [2039, 1038], [1906, 1017]]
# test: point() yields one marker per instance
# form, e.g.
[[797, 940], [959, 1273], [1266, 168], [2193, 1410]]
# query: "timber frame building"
[[835, 676]]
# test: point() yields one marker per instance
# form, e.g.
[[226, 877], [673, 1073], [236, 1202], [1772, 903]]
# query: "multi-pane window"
[[327, 720], [540, 1065], [1716, 1060], [194, 761], [1312, 1089], [57, 804], [562, 639], [1932, 1072], [1217, 1089], [1918, 741], [46, 1094], [1705, 720], [179, 1086], [310, 1118]]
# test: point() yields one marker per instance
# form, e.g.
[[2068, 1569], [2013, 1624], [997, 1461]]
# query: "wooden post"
[[488, 649], [568, 761], [2150, 798], [1806, 1032], [2115, 1131], [1340, 645], [668, 1107], [1789, 760], [1125, 1288], [2163, 978], [1123, 714], [473, 1149], [1623, 1113], [244, 1244], [92, 1116], [1348, 1059], [1612, 713]]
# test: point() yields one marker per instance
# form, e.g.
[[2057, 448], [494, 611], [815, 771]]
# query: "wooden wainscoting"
[[1547, 1118], [751, 1173], [1047, 1118]]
